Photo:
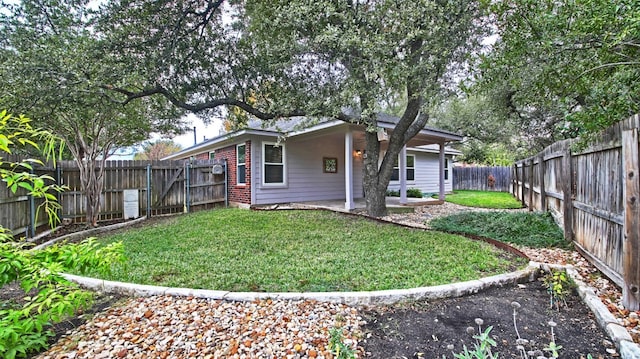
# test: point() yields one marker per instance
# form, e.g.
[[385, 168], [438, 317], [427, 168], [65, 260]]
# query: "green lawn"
[[241, 250], [536, 230], [484, 199]]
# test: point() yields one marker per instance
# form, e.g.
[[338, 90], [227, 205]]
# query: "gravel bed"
[[174, 327]]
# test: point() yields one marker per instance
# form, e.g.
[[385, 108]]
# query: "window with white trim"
[[411, 169], [446, 169], [241, 164], [212, 155], [273, 164]]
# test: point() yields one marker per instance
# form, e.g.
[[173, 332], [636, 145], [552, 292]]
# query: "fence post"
[[226, 185], [514, 180], [531, 184], [59, 194], [32, 214], [567, 189], [631, 195], [524, 202], [543, 193], [148, 190], [187, 185]]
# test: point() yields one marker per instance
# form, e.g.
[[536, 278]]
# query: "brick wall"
[[237, 193]]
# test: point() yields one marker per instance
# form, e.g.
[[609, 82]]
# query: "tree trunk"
[[91, 180], [374, 193]]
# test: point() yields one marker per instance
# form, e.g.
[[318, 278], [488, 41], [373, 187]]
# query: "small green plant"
[[414, 193], [482, 346], [552, 347], [411, 192], [338, 347], [558, 286]]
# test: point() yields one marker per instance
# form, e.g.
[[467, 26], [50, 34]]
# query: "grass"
[[484, 199], [535, 230], [241, 250]]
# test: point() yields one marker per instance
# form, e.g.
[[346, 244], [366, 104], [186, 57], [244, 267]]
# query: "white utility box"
[[131, 203]]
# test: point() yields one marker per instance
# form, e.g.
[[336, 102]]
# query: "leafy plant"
[[50, 297], [414, 193], [411, 192], [337, 345], [558, 286], [482, 346]]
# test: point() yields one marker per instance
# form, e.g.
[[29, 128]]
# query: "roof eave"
[[217, 141]]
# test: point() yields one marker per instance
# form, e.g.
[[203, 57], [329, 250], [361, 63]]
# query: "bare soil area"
[[429, 329]]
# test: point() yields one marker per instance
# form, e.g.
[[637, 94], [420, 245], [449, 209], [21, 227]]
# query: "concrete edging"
[[352, 298]]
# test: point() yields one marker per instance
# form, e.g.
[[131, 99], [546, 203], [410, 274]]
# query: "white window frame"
[[446, 169], [238, 164], [212, 155], [406, 169], [284, 165]]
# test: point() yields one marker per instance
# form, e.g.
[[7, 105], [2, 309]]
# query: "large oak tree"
[[336, 59]]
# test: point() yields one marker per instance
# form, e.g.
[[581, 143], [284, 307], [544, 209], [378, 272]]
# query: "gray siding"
[[306, 180], [426, 174]]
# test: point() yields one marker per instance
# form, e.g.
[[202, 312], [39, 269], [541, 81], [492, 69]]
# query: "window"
[[241, 167], [212, 155], [446, 169], [411, 169], [273, 164]]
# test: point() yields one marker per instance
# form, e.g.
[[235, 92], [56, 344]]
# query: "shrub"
[[23, 328], [411, 192], [536, 230]]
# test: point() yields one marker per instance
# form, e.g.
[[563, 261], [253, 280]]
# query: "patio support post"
[[402, 169], [348, 170], [441, 173]]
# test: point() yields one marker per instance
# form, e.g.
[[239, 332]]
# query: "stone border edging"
[[351, 298], [89, 232]]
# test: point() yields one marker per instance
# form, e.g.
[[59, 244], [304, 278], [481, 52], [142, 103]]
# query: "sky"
[[202, 131]]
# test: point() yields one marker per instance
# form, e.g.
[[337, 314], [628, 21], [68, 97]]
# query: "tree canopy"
[[156, 150], [572, 66], [276, 59], [55, 68]]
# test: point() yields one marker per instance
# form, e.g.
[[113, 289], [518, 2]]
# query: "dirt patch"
[[426, 329]]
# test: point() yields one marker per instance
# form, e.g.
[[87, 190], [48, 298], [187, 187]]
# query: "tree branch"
[[612, 64], [159, 90]]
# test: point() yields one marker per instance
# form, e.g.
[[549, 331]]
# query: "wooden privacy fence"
[[593, 194], [478, 178], [161, 187]]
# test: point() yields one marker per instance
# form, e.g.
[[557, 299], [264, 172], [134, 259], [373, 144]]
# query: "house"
[[324, 161]]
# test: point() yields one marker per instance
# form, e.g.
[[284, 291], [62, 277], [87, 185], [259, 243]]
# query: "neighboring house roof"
[[300, 125]]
